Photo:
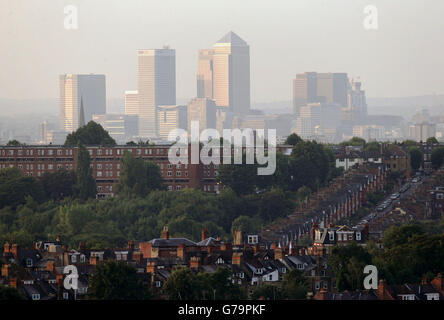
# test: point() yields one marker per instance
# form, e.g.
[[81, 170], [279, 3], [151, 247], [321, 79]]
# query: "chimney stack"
[[50, 266], [205, 234], [237, 258], [165, 233], [14, 250]]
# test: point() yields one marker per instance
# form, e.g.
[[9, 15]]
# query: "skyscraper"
[[81, 96], [304, 90], [224, 74], [333, 88], [312, 87], [205, 74], [170, 118], [156, 80], [202, 110], [131, 102]]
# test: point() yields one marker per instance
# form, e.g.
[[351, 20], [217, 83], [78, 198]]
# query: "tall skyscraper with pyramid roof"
[[224, 73]]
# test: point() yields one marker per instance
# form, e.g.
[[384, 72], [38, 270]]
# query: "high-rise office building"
[[131, 102], [312, 87], [156, 81], [81, 96], [205, 74], [202, 110], [304, 90], [170, 118], [333, 88], [357, 104], [224, 74]]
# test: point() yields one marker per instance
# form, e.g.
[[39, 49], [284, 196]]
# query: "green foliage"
[[59, 184], [355, 141], [117, 281], [437, 157], [138, 177], [416, 157], [432, 140], [295, 285], [86, 185], [9, 293], [90, 134], [347, 262], [184, 284], [410, 254], [14, 143], [15, 187], [266, 292], [293, 139], [372, 146]]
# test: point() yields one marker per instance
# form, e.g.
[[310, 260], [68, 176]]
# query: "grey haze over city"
[[399, 64]]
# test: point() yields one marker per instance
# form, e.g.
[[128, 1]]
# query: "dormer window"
[[28, 262], [331, 236]]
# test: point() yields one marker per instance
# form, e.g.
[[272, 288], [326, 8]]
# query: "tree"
[[347, 263], [138, 177], [372, 146], [90, 134], [416, 157], [266, 292], [355, 141], [432, 140], [222, 286], [241, 178], [437, 157], [14, 143], [9, 293], [295, 285], [59, 184], [182, 284], [117, 281], [15, 187], [85, 183], [293, 139]]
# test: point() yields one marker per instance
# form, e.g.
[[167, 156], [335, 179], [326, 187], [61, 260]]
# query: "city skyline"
[[326, 47]]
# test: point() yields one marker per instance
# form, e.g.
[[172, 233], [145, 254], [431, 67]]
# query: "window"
[[178, 173], [178, 188], [74, 258], [169, 173], [331, 236], [35, 296], [65, 295], [28, 262], [358, 236], [99, 173]]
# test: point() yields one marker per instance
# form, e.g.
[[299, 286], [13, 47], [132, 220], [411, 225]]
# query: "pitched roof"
[[233, 39]]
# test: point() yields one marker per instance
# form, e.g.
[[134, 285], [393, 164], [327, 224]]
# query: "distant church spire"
[[82, 114]]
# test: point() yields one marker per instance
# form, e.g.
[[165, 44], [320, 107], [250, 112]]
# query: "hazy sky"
[[404, 57]]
